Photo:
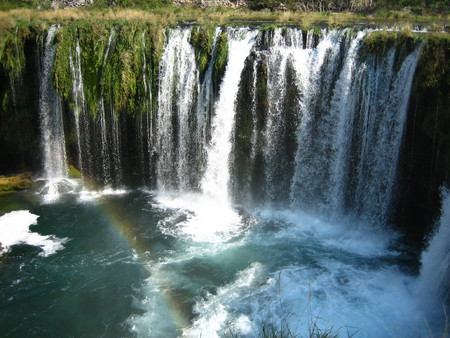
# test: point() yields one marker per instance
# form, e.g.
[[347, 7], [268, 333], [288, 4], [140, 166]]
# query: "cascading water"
[[282, 112], [52, 128], [108, 125], [433, 285], [176, 123], [318, 155], [205, 104], [81, 113], [306, 128], [216, 178], [144, 124], [204, 225], [379, 129]]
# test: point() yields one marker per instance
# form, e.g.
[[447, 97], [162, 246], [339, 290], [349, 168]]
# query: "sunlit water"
[[137, 263]]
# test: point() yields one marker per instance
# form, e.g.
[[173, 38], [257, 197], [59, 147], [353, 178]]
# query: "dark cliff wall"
[[19, 113], [426, 154]]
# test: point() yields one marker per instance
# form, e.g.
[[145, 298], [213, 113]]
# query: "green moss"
[[65, 48], [93, 39], [5, 101], [112, 61], [202, 38], [221, 56], [121, 67], [12, 51], [433, 69], [74, 172], [432, 84], [15, 183], [379, 42]]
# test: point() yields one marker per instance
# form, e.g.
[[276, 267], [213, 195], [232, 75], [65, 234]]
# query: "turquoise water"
[[138, 263]]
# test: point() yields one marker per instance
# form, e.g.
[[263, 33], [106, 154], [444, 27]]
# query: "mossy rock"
[[202, 39], [433, 69], [15, 183], [74, 172]]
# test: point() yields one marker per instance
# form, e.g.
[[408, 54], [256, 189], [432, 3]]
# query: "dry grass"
[[172, 15]]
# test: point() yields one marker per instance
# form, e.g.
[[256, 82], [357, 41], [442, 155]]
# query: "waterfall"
[[81, 114], [352, 118], [50, 111], [433, 284], [303, 119], [108, 125], [215, 180], [178, 87], [144, 123], [273, 172], [382, 96], [205, 105], [328, 66], [282, 114]]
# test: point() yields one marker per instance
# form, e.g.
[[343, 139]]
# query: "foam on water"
[[349, 234], [15, 229], [86, 195], [433, 284], [199, 217], [301, 285], [54, 188], [216, 315]]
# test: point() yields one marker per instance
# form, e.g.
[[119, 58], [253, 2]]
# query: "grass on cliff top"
[[171, 15]]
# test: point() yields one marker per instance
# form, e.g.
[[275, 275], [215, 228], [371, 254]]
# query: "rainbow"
[[124, 228]]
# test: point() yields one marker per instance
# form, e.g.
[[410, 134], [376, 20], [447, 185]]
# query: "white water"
[[81, 113], [52, 127], [178, 85], [108, 124], [290, 271], [280, 57], [50, 111], [202, 223], [215, 181], [309, 272], [433, 285], [205, 102], [204, 219], [384, 115], [15, 230]]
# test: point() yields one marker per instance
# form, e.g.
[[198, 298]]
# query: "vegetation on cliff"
[[112, 58], [202, 39]]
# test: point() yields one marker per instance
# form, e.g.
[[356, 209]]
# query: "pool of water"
[[117, 263]]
